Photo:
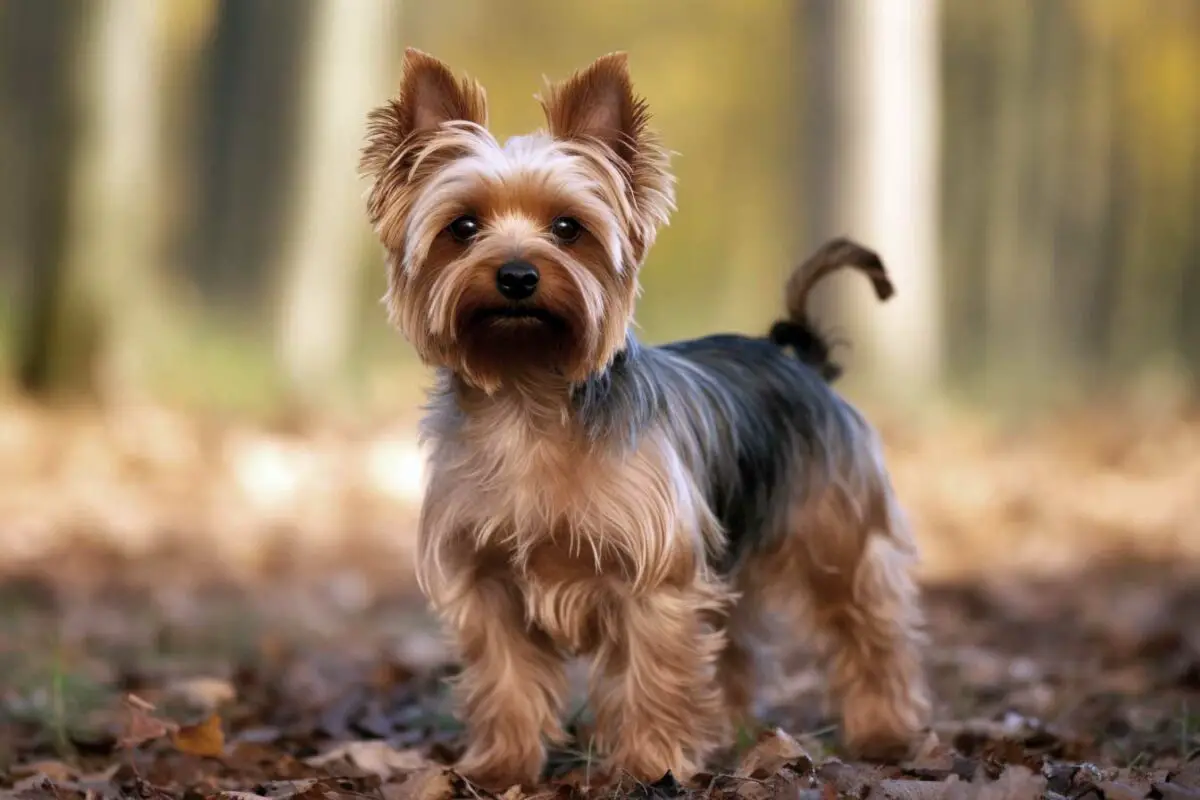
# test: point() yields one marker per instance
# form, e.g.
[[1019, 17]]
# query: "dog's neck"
[[612, 407], [543, 397]]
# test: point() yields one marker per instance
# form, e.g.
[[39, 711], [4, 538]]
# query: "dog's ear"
[[598, 103], [429, 96]]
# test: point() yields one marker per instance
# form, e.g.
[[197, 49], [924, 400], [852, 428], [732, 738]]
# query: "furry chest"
[[569, 594], [538, 488]]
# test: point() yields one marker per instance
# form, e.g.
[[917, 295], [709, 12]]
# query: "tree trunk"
[[889, 165], [49, 130], [1005, 252], [250, 127], [117, 236], [349, 71], [819, 181]]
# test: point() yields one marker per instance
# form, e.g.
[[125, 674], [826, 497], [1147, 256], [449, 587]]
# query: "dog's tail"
[[797, 331]]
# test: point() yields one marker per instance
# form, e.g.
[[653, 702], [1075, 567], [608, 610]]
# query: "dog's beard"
[[498, 344]]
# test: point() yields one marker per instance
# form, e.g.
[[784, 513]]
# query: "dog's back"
[[813, 534], [761, 411]]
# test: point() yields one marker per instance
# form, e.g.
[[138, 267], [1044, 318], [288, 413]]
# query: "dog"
[[667, 511]]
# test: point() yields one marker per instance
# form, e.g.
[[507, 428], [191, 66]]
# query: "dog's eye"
[[566, 229], [464, 228]]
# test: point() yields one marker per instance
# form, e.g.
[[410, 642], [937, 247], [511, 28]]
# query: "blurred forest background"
[[209, 475], [181, 215], [185, 258]]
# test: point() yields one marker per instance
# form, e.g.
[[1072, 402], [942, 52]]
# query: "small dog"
[[653, 507]]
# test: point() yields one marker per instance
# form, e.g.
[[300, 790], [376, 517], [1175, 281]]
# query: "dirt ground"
[[1064, 652]]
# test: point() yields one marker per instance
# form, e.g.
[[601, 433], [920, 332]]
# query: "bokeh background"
[[197, 381], [183, 241]]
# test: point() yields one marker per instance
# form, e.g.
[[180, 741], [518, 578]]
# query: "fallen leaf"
[[56, 771], [752, 790], [97, 781], [435, 783], [772, 750], [375, 756], [1014, 783], [1173, 791], [205, 694], [915, 790], [140, 724], [1188, 776], [513, 793], [846, 779], [1117, 790], [286, 789], [204, 739], [133, 701], [34, 783]]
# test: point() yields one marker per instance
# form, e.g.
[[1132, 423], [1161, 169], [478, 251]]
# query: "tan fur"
[[608, 556], [848, 553], [832, 256], [538, 540]]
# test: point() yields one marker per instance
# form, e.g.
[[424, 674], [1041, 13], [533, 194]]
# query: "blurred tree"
[[887, 163], [351, 58], [815, 29], [1068, 166], [1072, 165], [42, 132], [249, 103], [94, 261]]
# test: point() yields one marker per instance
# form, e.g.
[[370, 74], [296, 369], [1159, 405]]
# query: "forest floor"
[[1063, 597]]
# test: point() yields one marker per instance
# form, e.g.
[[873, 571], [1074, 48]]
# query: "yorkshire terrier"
[[655, 508]]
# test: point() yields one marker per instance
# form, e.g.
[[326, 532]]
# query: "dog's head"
[[518, 258]]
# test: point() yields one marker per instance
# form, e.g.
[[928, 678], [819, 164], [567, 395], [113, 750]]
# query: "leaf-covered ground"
[[324, 688], [192, 611]]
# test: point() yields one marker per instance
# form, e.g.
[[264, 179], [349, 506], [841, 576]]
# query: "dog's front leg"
[[510, 691], [658, 706]]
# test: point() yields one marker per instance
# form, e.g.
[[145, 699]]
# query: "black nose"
[[517, 280]]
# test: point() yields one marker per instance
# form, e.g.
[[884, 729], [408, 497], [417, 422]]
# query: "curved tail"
[[798, 331]]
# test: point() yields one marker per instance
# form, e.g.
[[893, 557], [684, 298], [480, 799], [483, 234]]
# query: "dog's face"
[[514, 259]]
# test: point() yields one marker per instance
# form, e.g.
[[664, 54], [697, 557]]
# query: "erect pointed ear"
[[429, 96], [598, 103]]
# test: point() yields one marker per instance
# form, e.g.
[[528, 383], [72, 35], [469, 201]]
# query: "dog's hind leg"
[[852, 555]]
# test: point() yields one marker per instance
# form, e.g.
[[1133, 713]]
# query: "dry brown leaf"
[[847, 779], [34, 783], [1188, 775], [56, 771], [133, 701], [932, 760], [204, 739], [206, 694], [285, 789], [435, 783], [770, 752], [375, 756], [915, 790], [513, 793], [1117, 790], [754, 790], [141, 725], [1173, 791], [1014, 783]]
